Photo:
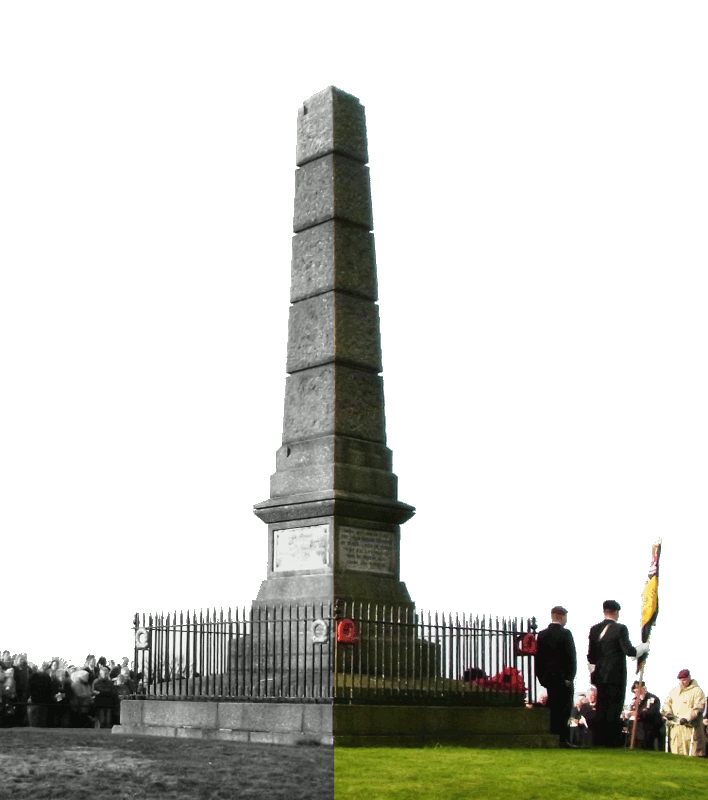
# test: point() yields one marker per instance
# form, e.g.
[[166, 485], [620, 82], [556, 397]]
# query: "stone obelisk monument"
[[333, 515]]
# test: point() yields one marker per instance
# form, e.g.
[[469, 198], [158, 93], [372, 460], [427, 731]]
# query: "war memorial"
[[333, 650]]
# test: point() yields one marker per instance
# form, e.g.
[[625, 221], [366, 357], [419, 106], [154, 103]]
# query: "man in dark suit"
[[647, 718], [608, 649], [589, 711], [555, 670]]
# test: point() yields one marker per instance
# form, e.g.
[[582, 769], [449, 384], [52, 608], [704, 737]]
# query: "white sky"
[[540, 190]]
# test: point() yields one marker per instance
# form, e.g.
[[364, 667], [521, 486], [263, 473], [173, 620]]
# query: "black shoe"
[[569, 746]]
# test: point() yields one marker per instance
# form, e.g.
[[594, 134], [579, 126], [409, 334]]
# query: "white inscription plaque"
[[364, 550], [301, 549]]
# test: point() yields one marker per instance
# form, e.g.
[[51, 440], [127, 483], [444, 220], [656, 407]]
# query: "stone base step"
[[537, 740]]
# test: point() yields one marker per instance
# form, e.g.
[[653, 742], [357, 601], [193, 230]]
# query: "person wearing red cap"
[[608, 649], [683, 710]]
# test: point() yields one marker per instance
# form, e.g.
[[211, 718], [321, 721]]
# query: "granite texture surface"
[[331, 121], [350, 586], [288, 723], [333, 255], [382, 725], [363, 480], [334, 327], [346, 725], [331, 449], [334, 399], [311, 505], [332, 187]]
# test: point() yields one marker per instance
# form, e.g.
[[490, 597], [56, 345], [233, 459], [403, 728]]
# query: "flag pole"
[[641, 662], [636, 704], [640, 681]]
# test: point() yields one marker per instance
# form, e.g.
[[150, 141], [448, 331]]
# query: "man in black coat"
[[555, 670], [40, 697], [608, 649], [647, 718], [589, 711]]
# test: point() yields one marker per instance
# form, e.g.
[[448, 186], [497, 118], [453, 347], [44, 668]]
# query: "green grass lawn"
[[449, 773], [77, 765]]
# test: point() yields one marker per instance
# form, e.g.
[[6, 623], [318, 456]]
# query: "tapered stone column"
[[333, 515]]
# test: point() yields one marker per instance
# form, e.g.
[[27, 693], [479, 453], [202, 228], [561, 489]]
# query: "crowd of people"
[[650, 724], [599, 716], [59, 695]]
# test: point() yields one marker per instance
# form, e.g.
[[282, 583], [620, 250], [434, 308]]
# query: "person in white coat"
[[683, 710]]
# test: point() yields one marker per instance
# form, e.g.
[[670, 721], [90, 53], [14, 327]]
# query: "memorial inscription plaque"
[[301, 549], [365, 550]]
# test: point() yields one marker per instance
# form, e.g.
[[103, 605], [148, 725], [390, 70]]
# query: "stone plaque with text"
[[364, 550], [301, 549]]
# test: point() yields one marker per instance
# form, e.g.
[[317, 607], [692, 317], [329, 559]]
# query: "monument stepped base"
[[424, 726], [342, 725], [265, 723]]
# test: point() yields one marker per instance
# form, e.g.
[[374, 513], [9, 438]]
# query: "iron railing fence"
[[399, 654], [265, 652], [348, 652]]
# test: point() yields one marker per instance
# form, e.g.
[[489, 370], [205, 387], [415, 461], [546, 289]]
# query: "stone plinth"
[[343, 725], [265, 723]]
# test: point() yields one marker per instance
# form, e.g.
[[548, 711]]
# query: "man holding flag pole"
[[608, 649], [650, 611]]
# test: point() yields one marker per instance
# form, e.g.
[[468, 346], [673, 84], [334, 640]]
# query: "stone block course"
[[145, 730], [131, 712], [228, 735], [344, 725], [190, 732], [272, 717], [334, 327], [230, 715], [371, 725], [333, 449], [334, 399], [334, 255], [180, 713], [317, 718], [337, 476], [526, 741], [332, 187]]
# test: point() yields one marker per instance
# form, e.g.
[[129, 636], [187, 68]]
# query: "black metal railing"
[[347, 652], [265, 652], [398, 654]]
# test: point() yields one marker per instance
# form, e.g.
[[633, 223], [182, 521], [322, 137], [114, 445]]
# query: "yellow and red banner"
[[650, 596]]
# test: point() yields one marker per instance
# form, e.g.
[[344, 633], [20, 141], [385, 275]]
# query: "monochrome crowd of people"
[[59, 695], [599, 716]]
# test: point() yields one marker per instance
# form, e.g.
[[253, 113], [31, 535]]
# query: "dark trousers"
[[560, 704], [649, 739], [37, 715], [610, 702], [62, 715]]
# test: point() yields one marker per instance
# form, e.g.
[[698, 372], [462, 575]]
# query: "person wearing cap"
[[683, 710], [589, 712], [608, 649], [555, 670], [645, 713]]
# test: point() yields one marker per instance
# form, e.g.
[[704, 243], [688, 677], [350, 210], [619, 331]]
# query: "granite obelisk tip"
[[331, 121]]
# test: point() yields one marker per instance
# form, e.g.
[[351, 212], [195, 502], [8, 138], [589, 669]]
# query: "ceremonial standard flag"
[[650, 598]]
